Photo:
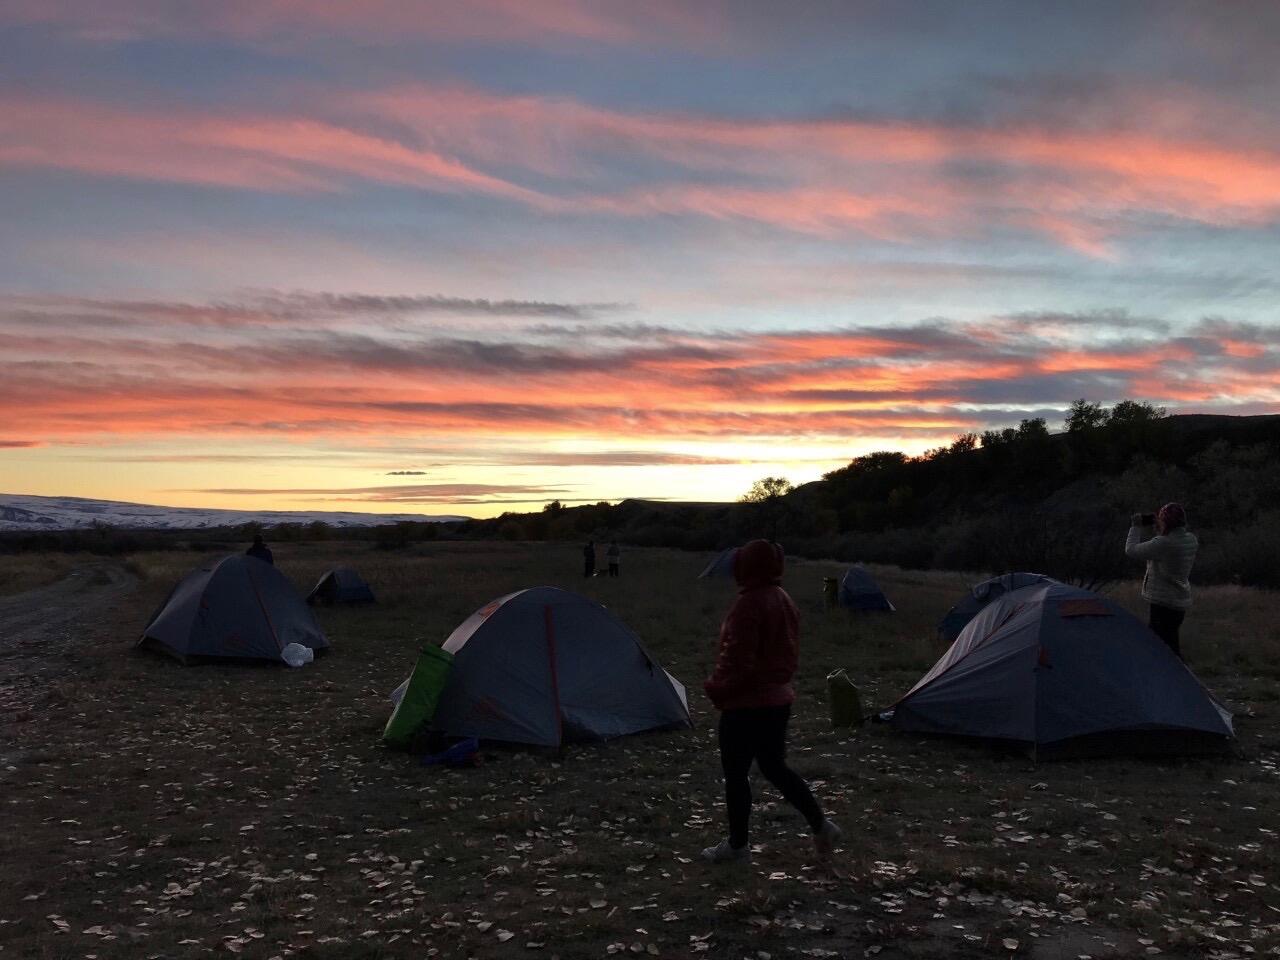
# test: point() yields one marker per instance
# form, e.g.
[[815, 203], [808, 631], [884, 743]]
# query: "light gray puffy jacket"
[[1169, 558]]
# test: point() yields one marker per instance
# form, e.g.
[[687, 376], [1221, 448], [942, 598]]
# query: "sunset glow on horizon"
[[472, 258]]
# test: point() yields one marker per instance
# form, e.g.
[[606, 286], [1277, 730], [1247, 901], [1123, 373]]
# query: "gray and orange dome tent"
[[981, 594], [721, 565], [546, 667], [236, 608], [341, 585], [1065, 672]]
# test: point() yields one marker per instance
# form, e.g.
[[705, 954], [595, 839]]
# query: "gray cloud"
[[1105, 318], [595, 458], [1224, 329], [613, 458], [403, 493], [617, 331], [276, 308], [301, 304]]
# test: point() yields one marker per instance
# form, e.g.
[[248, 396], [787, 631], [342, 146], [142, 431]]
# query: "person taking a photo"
[[1169, 555]]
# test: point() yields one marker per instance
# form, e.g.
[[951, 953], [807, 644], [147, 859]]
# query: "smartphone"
[[1148, 519]]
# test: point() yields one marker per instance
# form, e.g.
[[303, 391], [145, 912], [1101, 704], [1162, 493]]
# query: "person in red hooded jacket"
[[751, 686]]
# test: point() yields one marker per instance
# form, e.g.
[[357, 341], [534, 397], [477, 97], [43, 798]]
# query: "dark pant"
[[1165, 623], [588, 568], [613, 568], [759, 734]]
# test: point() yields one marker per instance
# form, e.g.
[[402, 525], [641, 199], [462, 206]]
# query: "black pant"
[[1164, 623], [613, 568], [588, 568], [759, 734]]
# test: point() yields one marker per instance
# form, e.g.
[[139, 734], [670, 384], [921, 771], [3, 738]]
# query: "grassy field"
[[27, 571], [152, 810]]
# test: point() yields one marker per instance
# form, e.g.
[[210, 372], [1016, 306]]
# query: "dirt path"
[[39, 626], [43, 615]]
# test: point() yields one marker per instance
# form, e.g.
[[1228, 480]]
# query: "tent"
[[341, 585], [721, 565], [1065, 672], [979, 595], [545, 666], [859, 591], [238, 607]]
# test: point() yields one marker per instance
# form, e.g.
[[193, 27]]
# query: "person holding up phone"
[[1169, 556]]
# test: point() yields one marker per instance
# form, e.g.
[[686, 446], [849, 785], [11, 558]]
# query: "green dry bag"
[[421, 694], [844, 700]]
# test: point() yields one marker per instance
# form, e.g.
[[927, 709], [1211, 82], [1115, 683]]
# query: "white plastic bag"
[[295, 654]]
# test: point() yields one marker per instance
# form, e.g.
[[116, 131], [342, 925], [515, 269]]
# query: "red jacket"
[[760, 638]]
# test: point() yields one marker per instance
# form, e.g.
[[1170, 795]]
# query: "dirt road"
[[39, 616], [40, 627]]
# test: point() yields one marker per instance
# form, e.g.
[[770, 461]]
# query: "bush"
[[1246, 556]]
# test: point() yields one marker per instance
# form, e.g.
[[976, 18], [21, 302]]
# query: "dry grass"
[[28, 571], [156, 810]]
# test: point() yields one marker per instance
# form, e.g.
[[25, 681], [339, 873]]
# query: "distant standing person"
[[261, 550], [589, 559], [612, 555], [1169, 556], [751, 686]]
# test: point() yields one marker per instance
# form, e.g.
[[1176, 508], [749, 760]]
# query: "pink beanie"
[[1172, 516]]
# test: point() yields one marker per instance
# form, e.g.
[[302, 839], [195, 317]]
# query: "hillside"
[[1022, 498], [20, 512]]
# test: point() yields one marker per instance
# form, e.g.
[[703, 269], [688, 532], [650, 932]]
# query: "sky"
[[469, 258]]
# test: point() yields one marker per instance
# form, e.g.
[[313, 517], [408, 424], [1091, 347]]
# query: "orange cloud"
[[930, 381]]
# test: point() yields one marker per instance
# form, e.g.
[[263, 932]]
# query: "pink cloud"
[[825, 177], [1057, 181], [258, 153], [249, 380]]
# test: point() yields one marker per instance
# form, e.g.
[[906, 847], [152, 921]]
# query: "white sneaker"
[[723, 853], [825, 840]]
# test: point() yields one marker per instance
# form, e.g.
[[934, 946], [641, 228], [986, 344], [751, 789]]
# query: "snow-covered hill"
[[21, 512]]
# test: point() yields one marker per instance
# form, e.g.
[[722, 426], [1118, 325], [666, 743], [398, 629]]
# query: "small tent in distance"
[[1065, 672], [546, 667], [237, 608], [341, 585], [859, 591], [721, 565], [981, 594]]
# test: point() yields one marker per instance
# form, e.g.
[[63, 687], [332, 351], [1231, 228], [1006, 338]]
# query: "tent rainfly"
[[1065, 672], [341, 585], [414, 701], [979, 595], [238, 607], [859, 591], [721, 565], [545, 666]]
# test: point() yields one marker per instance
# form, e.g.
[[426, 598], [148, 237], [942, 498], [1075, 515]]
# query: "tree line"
[[1019, 498]]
